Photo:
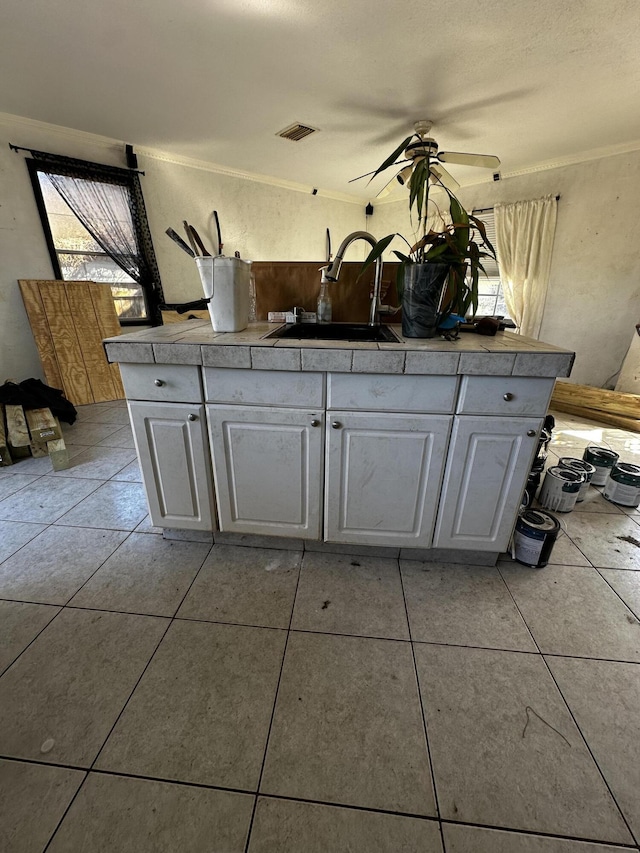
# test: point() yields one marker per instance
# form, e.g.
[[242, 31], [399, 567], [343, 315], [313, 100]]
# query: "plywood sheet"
[[85, 321], [109, 327], [30, 290]]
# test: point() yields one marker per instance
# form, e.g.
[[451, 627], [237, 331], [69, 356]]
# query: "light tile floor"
[[161, 695]]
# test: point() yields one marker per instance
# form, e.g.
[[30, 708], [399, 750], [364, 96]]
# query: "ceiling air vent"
[[296, 132]]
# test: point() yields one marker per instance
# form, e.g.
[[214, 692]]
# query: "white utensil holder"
[[226, 282]]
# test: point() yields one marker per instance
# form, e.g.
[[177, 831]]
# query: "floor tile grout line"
[[605, 579], [4, 671], [537, 833], [423, 712], [273, 709], [109, 733], [575, 722], [584, 738]]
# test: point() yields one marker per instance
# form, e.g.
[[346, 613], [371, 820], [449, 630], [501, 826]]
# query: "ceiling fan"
[[420, 146]]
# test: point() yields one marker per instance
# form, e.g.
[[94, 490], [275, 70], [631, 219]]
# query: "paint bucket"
[[623, 485], [560, 489], [534, 537], [582, 467], [603, 459]]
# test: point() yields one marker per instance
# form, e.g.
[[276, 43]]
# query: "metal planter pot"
[[424, 287]]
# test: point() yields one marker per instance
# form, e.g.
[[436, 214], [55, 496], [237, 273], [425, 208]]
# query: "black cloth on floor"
[[34, 394]]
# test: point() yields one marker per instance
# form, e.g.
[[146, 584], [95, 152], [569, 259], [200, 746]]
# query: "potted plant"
[[438, 276]]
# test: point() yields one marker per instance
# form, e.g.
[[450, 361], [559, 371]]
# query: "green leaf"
[[400, 283], [404, 258], [392, 159], [375, 253]]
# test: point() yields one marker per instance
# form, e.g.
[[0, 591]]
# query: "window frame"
[[152, 299]]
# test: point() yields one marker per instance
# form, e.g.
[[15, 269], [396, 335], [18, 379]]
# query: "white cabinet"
[[383, 475], [268, 469], [171, 442], [489, 461]]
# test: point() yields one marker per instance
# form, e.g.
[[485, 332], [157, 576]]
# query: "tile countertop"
[[195, 342]]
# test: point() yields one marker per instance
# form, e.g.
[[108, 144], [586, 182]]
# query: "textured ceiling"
[[215, 80]]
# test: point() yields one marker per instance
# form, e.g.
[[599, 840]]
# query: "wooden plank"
[[61, 322], [58, 452], [596, 415], [108, 327], [614, 402], [30, 291], [84, 316], [5, 456], [38, 450], [174, 317], [42, 425], [17, 431]]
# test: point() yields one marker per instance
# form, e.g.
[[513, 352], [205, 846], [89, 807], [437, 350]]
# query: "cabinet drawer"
[[392, 393], [504, 395], [264, 387], [172, 383]]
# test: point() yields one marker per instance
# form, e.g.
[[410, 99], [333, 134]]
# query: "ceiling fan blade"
[[388, 187], [487, 161], [440, 175], [374, 172]]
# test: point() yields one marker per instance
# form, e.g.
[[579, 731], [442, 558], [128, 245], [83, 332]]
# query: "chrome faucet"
[[332, 272]]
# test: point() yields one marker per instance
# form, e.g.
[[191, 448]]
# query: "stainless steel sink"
[[334, 332]]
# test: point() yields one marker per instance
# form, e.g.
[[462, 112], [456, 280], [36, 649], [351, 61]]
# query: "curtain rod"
[[17, 148], [487, 209]]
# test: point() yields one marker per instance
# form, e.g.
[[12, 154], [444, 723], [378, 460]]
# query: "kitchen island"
[[420, 448]]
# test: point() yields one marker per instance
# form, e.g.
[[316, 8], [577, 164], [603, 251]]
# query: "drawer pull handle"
[[335, 424], [508, 396], [315, 422], [192, 417], [531, 433], [158, 382]]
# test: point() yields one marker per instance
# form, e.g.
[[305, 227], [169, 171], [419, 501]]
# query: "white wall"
[[593, 302], [260, 220]]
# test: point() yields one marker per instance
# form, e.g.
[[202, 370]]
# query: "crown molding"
[[175, 159]]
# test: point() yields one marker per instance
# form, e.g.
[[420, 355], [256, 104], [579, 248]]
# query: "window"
[[490, 295], [104, 198]]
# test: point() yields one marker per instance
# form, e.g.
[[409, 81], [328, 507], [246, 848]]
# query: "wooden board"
[[69, 320], [174, 317], [43, 426], [109, 327], [84, 316], [42, 334], [17, 430], [600, 399], [5, 456], [595, 415]]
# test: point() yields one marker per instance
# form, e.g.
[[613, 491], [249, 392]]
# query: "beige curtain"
[[524, 244]]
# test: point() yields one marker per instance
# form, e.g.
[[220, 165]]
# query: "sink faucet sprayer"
[[333, 271]]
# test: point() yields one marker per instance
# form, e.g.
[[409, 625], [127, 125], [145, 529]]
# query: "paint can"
[[623, 484], [603, 459], [582, 467], [534, 537], [560, 489]]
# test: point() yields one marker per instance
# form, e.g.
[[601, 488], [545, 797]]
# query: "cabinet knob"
[[192, 417], [335, 424], [531, 433], [508, 396], [158, 382], [315, 422]]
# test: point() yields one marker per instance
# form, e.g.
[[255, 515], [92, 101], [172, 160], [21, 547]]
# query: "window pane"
[[486, 306], [82, 259], [488, 285]]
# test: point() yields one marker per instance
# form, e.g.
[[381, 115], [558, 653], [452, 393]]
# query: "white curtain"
[[524, 244]]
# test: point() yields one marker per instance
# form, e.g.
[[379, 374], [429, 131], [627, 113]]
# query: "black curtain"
[[108, 201]]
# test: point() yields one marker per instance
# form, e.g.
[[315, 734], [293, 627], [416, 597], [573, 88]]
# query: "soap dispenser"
[[324, 300]]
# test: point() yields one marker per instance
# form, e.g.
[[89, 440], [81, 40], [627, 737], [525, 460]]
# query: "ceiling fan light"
[[404, 175]]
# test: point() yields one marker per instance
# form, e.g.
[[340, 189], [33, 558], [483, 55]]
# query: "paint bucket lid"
[[539, 520], [626, 473], [580, 465], [567, 474], [601, 457]]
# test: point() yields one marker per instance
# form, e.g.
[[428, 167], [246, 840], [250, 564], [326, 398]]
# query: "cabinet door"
[[489, 462], [268, 469], [383, 477], [171, 441]]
